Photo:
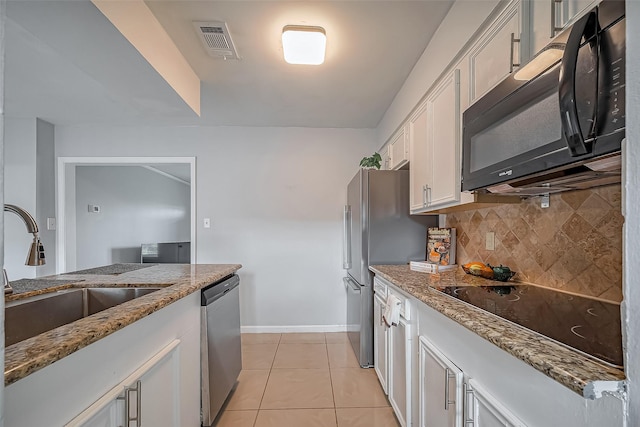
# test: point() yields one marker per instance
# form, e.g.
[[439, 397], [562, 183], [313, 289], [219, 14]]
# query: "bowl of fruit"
[[501, 273]]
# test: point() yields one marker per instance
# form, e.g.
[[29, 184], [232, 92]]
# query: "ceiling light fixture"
[[304, 45]]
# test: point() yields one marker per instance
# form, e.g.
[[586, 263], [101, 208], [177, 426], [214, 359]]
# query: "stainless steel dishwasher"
[[220, 346]]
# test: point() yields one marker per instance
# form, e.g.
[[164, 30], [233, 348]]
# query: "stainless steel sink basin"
[[32, 316]]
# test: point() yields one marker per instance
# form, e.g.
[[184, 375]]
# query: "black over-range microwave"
[[558, 122]]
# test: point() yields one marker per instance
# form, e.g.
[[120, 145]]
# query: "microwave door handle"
[[567, 87]]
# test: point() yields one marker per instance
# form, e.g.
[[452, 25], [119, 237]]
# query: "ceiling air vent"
[[216, 39]]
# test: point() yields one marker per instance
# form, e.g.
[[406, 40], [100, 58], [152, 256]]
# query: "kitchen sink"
[[32, 316]]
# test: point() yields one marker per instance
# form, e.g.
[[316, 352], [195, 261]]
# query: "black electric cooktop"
[[588, 325]]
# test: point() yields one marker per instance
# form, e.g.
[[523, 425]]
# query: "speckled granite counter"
[[178, 281], [570, 368]]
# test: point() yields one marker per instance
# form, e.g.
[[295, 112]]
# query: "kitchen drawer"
[[380, 288], [405, 306], [383, 288]]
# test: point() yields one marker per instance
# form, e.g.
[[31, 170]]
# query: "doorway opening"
[[107, 207]]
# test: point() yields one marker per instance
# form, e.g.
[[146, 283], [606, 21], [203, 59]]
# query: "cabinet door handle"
[[513, 64], [447, 376], [554, 26], [127, 405], [428, 196], [424, 195], [469, 405]]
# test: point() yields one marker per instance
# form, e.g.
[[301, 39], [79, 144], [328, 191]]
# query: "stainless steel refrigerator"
[[377, 230]]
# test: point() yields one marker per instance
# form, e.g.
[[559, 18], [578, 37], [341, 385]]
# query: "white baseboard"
[[293, 328]]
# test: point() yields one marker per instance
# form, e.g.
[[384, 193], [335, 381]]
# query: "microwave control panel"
[[612, 78]]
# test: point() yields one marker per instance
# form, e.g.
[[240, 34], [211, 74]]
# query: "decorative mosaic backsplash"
[[574, 245]]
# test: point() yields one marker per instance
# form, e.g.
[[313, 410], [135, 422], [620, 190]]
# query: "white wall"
[[463, 20], [136, 206], [69, 229], [20, 190], [2, 19], [30, 184], [631, 201], [274, 196], [45, 193]]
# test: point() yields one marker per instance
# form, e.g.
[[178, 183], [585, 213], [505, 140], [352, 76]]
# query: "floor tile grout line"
[[331, 368], [333, 395], [267, 383], [271, 368]]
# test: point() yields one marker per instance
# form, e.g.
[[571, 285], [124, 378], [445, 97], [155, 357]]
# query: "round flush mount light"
[[304, 44]]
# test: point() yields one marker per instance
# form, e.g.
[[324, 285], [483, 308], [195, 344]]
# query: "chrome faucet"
[[36, 250]]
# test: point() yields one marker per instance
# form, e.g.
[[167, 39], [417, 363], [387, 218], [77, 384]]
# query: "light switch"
[[51, 223], [207, 223], [490, 241]]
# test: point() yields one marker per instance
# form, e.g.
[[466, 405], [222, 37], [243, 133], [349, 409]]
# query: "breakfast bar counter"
[[176, 280]]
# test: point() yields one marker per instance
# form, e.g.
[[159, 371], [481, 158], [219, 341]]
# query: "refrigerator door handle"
[[346, 238], [349, 283]]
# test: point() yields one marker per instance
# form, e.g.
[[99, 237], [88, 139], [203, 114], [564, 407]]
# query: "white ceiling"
[[66, 63]]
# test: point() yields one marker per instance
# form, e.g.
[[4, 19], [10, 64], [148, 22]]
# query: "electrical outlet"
[[490, 241], [544, 201], [94, 208], [207, 223]]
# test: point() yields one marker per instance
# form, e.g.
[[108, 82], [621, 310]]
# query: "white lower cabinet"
[[393, 349], [380, 344], [441, 374], [400, 371], [448, 399], [149, 370], [149, 394], [484, 410], [440, 392]]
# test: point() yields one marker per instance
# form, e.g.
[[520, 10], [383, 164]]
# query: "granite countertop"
[[572, 369], [178, 281]]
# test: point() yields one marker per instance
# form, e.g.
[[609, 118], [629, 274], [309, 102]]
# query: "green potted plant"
[[371, 162]]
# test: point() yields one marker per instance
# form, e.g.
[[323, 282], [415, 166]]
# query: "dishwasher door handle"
[[217, 297], [215, 291]]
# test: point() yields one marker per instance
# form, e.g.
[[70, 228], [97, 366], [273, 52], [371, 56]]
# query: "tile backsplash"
[[575, 244]]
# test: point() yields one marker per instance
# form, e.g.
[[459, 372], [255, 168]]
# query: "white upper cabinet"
[[399, 149], [419, 170], [550, 17], [501, 49], [443, 140], [386, 157], [433, 131], [435, 145]]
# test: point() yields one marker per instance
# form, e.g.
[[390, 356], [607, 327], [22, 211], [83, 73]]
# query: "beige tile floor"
[[304, 380]]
